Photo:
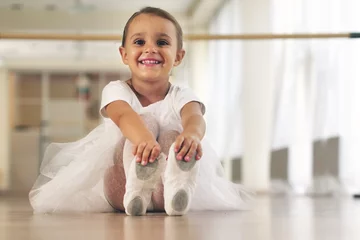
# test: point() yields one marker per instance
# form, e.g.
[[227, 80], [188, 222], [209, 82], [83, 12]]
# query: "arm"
[[131, 125], [188, 142]]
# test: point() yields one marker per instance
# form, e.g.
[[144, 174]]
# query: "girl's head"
[[152, 44], [160, 13]]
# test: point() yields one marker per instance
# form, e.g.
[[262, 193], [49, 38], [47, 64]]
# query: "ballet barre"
[[191, 37]]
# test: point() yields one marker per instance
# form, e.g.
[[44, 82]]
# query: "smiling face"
[[151, 48]]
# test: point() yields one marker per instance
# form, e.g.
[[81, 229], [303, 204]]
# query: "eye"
[[139, 42], [162, 42]]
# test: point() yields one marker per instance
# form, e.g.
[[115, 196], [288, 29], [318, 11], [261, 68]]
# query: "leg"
[[166, 139], [128, 156], [114, 187], [141, 180], [179, 183], [119, 152], [114, 179]]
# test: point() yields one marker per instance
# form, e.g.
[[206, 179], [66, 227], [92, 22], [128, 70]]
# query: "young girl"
[[145, 156]]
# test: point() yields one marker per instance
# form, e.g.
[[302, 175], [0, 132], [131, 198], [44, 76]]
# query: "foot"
[[179, 183], [140, 183]]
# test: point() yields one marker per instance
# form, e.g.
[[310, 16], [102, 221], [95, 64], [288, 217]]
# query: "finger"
[[139, 152], [154, 154], [199, 152], [145, 155], [191, 152], [134, 149], [184, 149], [178, 142]]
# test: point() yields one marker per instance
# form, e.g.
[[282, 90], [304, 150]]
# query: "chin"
[[151, 77], [154, 79]]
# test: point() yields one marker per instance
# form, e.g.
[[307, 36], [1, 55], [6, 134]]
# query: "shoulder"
[[114, 91], [178, 90], [181, 95], [116, 83], [116, 86]]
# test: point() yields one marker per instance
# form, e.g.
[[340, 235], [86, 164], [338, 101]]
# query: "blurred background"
[[283, 115]]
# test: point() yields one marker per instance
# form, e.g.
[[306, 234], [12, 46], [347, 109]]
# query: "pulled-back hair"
[[160, 13]]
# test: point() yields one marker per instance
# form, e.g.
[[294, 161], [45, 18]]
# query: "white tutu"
[[71, 177]]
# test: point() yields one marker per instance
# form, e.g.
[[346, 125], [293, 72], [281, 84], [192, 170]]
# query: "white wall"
[[71, 55], [257, 97], [257, 90], [4, 130], [197, 65], [111, 22], [51, 64]]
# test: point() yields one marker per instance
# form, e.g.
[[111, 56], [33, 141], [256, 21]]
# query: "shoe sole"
[[186, 166], [136, 207], [147, 171], [180, 200], [144, 173]]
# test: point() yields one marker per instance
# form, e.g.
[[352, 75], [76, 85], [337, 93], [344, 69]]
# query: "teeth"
[[149, 62]]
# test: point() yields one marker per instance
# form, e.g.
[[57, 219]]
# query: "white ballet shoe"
[[179, 183], [140, 183]]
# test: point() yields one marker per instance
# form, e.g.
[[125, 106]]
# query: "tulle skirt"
[[72, 176]]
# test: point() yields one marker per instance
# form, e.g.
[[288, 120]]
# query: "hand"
[[186, 146], [146, 151]]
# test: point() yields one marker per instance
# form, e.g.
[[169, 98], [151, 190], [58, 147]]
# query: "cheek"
[[134, 54], [171, 55]]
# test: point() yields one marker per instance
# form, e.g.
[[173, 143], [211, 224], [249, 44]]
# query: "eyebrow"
[[143, 33], [164, 35], [137, 35]]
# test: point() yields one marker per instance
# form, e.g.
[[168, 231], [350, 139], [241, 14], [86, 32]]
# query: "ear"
[[179, 57], [123, 54]]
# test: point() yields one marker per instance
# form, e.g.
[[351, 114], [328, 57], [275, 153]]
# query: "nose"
[[150, 48]]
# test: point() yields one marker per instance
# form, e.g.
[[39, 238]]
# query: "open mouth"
[[150, 62]]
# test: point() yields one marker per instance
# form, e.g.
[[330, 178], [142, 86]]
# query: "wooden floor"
[[272, 218]]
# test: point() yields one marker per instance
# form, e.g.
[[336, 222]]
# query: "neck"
[[149, 92]]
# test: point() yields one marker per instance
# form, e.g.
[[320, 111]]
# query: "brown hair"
[[160, 13]]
